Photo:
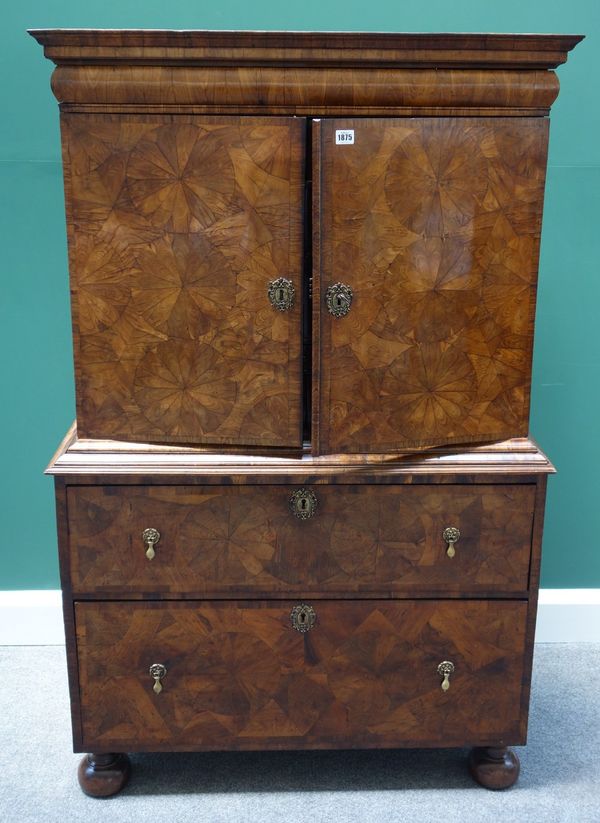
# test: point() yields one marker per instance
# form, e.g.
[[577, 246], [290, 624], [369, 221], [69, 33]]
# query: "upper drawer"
[[230, 540]]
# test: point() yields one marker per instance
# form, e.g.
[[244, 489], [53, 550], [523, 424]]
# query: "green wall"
[[38, 399]]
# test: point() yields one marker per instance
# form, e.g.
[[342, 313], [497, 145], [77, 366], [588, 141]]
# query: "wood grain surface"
[[240, 677], [226, 541], [176, 228], [201, 47], [435, 225], [307, 90]]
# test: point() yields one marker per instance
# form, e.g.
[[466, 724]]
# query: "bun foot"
[[494, 768], [101, 775]]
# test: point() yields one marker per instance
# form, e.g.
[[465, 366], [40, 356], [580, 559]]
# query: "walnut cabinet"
[[180, 226], [326, 241], [300, 507]]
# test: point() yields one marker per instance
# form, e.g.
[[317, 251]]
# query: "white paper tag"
[[344, 137]]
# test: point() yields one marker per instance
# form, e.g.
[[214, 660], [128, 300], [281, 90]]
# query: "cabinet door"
[[434, 225], [177, 226]]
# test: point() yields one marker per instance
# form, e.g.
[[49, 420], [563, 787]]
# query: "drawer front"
[[239, 676], [245, 540]]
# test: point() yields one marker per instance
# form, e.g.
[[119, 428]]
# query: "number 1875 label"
[[344, 137]]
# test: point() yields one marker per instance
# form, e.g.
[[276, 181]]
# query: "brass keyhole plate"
[[281, 294], [339, 299], [303, 504], [303, 617]]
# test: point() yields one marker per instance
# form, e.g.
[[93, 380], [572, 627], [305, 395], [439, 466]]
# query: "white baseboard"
[[568, 616], [34, 618], [31, 618]]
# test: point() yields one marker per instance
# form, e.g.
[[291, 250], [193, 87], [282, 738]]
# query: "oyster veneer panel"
[[434, 223], [177, 225]]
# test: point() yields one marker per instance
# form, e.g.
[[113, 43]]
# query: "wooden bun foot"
[[494, 768], [101, 775]]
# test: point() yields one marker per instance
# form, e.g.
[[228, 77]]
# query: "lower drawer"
[[238, 675]]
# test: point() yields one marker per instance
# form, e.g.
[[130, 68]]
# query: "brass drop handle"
[[451, 535], [281, 293], [150, 538], [339, 299], [157, 672], [303, 504], [303, 617], [445, 669]]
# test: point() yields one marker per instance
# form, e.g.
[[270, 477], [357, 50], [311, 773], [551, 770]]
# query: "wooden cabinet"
[[178, 226], [300, 508]]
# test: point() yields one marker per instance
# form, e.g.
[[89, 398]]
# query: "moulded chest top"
[[103, 459], [268, 48]]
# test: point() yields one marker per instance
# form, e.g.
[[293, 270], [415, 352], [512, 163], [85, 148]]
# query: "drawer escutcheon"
[[303, 617], [303, 504]]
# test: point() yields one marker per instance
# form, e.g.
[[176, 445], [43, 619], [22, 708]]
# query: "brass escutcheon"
[[445, 669], [150, 538], [281, 293], [157, 671], [339, 299], [451, 535], [303, 503], [303, 617]]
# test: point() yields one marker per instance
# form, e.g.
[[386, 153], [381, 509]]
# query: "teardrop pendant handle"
[[157, 671], [445, 669], [451, 535], [150, 538]]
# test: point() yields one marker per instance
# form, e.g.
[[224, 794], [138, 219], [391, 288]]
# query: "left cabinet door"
[[177, 226]]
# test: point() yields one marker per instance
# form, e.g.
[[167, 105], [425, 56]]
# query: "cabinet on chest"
[[318, 251]]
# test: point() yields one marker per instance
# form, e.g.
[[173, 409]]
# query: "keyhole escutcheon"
[[303, 504], [281, 294], [339, 299], [303, 617]]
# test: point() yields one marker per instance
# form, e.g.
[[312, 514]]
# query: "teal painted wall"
[[38, 398]]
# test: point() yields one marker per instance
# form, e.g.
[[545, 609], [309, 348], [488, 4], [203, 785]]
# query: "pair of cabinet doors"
[[193, 240]]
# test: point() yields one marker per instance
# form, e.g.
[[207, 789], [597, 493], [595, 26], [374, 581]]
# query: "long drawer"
[[237, 675], [256, 540]]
